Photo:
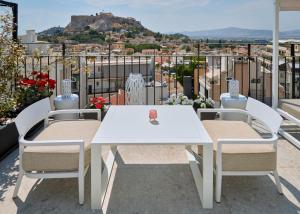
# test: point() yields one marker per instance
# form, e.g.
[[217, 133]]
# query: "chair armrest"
[[74, 111], [220, 110], [24, 142], [271, 140]]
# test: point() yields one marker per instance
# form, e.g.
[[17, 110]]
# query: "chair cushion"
[[61, 158], [291, 106], [236, 157]]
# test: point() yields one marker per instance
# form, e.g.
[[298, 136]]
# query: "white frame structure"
[[269, 118], [282, 5], [99, 179], [29, 117]]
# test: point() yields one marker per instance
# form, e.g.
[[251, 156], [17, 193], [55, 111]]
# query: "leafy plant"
[[203, 102], [188, 69], [140, 47], [11, 56], [180, 99], [97, 103], [7, 109], [35, 87]]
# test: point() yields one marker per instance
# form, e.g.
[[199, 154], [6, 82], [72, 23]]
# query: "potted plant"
[[96, 103], [35, 87], [8, 130], [11, 53], [179, 99], [203, 102]]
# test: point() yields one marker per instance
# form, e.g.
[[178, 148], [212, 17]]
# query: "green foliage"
[[202, 102], [183, 70], [11, 56], [91, 36], [188, 70], [140, 47], [7, 109], [130, 35]]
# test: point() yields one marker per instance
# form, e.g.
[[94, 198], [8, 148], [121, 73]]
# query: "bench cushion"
[[61, 158], [291, 106], [236, 157]]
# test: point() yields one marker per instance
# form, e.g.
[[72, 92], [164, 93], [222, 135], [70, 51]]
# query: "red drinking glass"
[[152, 114]]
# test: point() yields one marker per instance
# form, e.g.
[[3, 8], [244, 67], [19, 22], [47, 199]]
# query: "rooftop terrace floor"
[[155, 179]]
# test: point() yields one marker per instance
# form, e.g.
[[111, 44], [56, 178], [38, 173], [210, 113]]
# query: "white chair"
[[290, 110], [61, 150], [238, 149]]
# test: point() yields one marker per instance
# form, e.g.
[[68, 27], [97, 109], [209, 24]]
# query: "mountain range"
[[233, 33], [102, 22]]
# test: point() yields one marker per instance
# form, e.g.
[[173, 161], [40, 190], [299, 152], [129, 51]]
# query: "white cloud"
[[147, 3]]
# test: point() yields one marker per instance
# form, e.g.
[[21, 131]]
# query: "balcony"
[[176, 164], [155, 179]]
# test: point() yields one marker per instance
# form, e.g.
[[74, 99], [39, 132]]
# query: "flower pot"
[[208, 115], [94, 116], [9, 139]]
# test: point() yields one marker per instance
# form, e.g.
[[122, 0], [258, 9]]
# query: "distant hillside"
[[240, 33], [52, 31], [103, 22]]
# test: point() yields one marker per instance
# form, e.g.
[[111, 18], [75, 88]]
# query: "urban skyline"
[[166, 16]]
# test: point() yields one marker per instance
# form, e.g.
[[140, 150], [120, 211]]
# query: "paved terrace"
[[155, 179]]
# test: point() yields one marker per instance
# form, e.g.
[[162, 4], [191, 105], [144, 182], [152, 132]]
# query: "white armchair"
[[238, 149], [61, 150]]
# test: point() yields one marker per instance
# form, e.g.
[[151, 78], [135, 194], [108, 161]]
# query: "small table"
[[130, 125], [239, 102]]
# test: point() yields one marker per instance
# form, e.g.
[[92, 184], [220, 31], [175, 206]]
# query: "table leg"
[[96, 172], [207, 176], [107, 170]]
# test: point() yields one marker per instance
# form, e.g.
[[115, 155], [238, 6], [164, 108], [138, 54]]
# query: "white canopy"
[[279, 5], [289, 5]]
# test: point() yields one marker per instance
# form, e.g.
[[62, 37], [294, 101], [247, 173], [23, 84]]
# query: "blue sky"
[[158, 15]]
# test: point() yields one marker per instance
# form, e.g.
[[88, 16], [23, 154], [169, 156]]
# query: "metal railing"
[[106, 75]]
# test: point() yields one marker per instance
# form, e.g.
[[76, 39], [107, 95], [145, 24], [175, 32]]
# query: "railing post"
[[63, 47], [15, 20], [109, 70], [197, 74], [293, 69], [249, 61]]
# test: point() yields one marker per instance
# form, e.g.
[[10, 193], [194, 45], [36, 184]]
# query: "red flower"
[[45, 76], [99, 105], [40, 89], [34, 72], [41, 83], [51, 83], [97, 102], [42, 76], [28, 82], [24, 81]]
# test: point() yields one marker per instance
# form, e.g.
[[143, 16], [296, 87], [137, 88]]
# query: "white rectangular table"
[[130, 125]]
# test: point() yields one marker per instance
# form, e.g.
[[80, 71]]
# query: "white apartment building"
[[29, 40], [106, 77], [220, 68]]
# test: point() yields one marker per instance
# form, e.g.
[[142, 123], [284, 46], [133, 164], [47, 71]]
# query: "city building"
[[29, 40]]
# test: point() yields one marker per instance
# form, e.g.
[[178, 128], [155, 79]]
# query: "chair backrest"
[[31, 115], [265, 114]]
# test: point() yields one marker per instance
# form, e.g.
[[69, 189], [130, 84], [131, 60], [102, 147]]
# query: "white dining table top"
[[130, 124]]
